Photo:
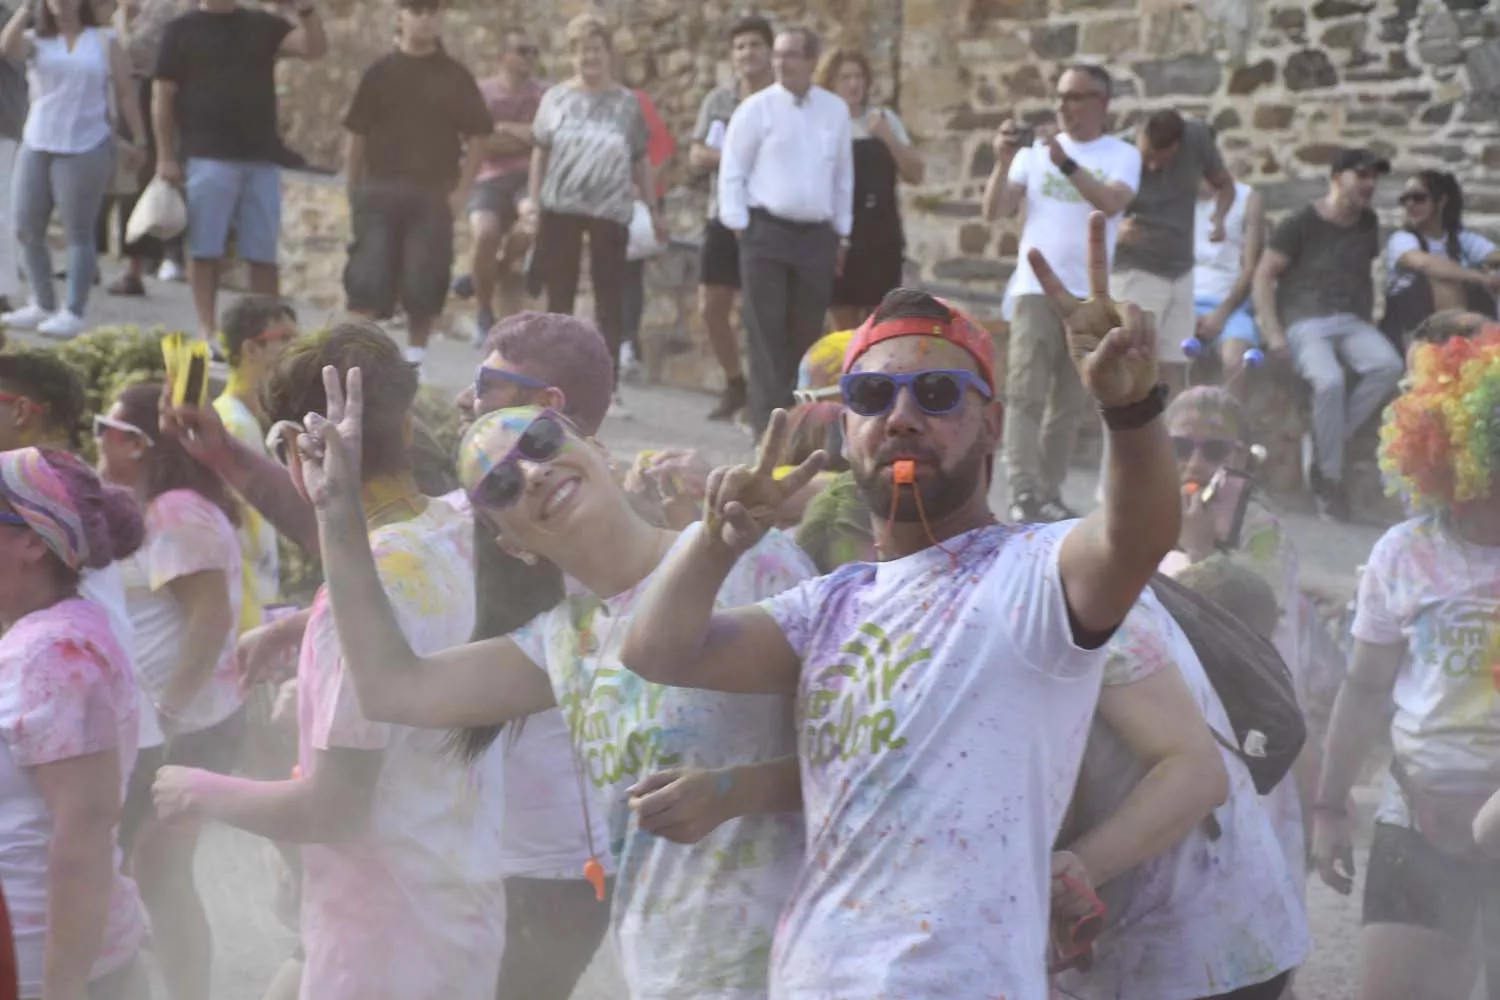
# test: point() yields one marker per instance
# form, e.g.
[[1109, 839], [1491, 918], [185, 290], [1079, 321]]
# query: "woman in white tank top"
[[1222, 271], [77, 77]]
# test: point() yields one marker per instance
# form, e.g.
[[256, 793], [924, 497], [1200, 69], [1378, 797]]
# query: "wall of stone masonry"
[[1286, 83]]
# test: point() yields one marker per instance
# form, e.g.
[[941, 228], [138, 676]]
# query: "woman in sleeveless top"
[[883, 155], [1222, 271], [77, 76]]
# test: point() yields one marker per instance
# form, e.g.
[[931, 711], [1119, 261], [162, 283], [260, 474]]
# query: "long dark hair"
[[1443, 187], [508, 594], [168, 466], [46, 21]]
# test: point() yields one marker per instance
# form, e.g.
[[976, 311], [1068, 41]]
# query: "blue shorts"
[[228, 194], [1240, 325]]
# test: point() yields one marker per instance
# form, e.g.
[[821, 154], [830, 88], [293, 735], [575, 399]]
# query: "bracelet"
[[1069, 167], [1134, 416]]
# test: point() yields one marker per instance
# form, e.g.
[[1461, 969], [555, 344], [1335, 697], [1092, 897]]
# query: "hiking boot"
[[1025, 508], [1055, 510], [731, 401]]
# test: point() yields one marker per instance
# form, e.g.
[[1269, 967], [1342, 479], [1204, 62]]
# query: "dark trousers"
[[557, 258], [149, 249], [552, 929], [635, 304], [786, 274]]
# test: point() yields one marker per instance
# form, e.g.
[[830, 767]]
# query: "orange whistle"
[[904, 471], [593, 871], [1191, 489]]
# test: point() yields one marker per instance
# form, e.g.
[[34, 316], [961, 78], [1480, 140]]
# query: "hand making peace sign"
[[741, 502], [328, 449], [1113, 346]]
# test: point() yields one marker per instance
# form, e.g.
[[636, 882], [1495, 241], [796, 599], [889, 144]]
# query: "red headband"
[[960, 330]]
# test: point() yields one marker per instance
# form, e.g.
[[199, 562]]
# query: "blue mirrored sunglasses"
[[938, 391], [486, 377]]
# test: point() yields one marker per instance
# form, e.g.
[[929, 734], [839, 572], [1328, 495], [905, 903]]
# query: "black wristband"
[[1134, 416], [1068, 167]]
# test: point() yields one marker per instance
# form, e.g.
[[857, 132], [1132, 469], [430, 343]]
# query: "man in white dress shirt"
[[786, 188]]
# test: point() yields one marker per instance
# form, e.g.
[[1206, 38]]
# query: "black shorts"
[[719, 257], [402, 250], [552, 930], [215, 749], [1411, 882], [500, 196]]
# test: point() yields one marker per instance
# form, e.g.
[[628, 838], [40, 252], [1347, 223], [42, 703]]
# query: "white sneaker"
[[64, 326], [618, 409], [630, 365], [169, 271], [28, 317]]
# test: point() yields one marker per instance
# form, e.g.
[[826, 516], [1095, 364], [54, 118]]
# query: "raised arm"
[[1002, 191], [13, 42], [676, 637], [1273, 263], [1108, 558], [309, 40]]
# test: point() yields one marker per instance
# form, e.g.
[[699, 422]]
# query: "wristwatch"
[[1134, 416], [1068, 167]]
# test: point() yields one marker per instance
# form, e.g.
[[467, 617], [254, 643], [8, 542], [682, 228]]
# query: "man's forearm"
[[671, 622], [998, 201], [537, 174], [473, 160], [164, 123], [80, 877], [1163, 807], [1266, 316], [770, 786], [1223, 201], [1107, 199], [268, 488], [1142, 501]]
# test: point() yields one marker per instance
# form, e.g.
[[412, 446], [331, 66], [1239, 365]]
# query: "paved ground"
[[232, 866]]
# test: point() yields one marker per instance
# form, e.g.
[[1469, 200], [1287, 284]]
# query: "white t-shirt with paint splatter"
[[1440, 595], [943, 710], [185, 534], [694, 922], [415, 906], [1213, 914], [65, 692]]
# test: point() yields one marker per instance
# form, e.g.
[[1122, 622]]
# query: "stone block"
[[1327, 10], [1440, 42], [1292, 20], [1309, 69], [1027, 81], [1319, 154], [1110, 37], [1249, 79], [1292, 193], [972, 269], [1226, 120], [973, 237], [1101, 4], [1196, 75], [1055, 41], [1491, 157], [1273, 116], [1345, 35], [979, 15]]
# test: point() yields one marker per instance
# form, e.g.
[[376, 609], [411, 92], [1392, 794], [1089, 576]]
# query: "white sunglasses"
[[103, 423]]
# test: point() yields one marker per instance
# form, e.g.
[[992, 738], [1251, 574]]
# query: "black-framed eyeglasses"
[[937, 392], [1215, 450], [540, 442], [1414, 198]]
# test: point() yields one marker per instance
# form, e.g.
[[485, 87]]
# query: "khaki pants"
[[1045, 403], [1169, 300]]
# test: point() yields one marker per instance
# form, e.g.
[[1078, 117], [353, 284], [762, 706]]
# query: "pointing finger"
[[1052, 287], [1098, 258], [771, 445]]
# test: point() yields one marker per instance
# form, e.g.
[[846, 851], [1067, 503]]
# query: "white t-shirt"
[[185, 534], [1440, 595], [694, 922], [106, 588], [1473, 249], [943, 708], [1057, 216], [1216, 266], [65, 692], [1210, 915], [415, 906]]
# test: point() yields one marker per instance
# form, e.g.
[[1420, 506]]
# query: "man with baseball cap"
[[944, 693], [1314, 299]]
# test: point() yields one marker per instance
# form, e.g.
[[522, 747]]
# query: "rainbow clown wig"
[[1440, 443]]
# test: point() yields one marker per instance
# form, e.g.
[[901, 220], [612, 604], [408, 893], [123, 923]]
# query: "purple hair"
[[112, 524], [565, 352]]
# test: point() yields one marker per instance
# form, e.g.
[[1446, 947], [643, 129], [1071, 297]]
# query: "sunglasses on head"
[[541, 441], [937, 392], [103, 425], [486, 377], [282, 438], [1215, 450]]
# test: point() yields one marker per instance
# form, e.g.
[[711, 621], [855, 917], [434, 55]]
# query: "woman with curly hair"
[[1426, 630]]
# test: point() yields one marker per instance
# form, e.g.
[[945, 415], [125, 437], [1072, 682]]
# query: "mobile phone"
[[1025, 136], [187, 369], [197, 370]]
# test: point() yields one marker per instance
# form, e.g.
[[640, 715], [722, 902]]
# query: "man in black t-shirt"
[[416, 114], [213, 106], [1314, 297]]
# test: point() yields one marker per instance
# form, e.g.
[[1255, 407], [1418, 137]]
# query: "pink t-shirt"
[[509, 106], [65, 692], [415, 906], [185, 534]]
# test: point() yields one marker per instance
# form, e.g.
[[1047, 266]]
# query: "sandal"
[[127, 284]]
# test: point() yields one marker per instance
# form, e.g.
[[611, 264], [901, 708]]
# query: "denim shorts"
[[1240, 325], [229, 194]]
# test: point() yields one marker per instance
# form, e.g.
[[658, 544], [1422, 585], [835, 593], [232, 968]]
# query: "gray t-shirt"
[[1163, 210], [593, 140], [1330, 266], [718, 106]]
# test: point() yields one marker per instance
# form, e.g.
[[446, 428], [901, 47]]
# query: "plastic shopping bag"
[[643, 242], [160, 212]]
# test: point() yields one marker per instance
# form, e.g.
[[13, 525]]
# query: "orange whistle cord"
[[904, 473], [594, 872]]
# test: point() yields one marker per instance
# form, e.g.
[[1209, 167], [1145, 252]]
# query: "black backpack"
[[1250, 678]]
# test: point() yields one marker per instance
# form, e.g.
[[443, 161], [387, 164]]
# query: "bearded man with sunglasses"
[[944, 692]]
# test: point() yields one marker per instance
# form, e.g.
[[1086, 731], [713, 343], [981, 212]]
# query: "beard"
[[944, 491]]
